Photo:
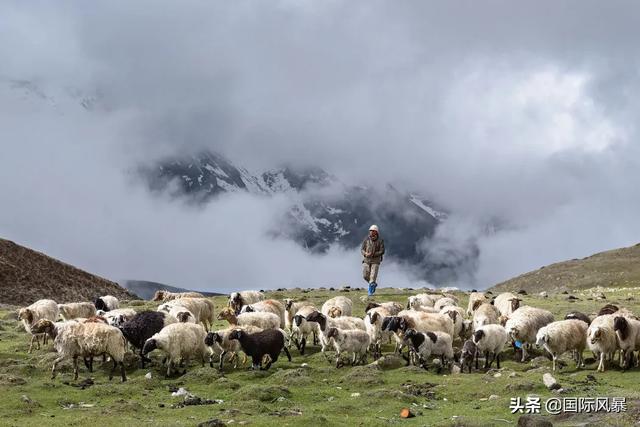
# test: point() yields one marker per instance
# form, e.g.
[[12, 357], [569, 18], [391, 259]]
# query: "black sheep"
[[142, 327], [269, 342], [579, 316]]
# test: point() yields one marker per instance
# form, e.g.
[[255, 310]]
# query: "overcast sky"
[[523, 112]]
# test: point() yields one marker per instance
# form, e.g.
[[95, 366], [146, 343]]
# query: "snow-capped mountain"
[[323, 212]]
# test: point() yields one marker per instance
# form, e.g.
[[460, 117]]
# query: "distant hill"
[[615, 268], [27, 276], [146, 289]]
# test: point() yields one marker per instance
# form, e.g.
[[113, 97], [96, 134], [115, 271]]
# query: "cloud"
[[504, 113]]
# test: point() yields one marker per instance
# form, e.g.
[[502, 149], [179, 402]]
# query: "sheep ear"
[[432, 336]]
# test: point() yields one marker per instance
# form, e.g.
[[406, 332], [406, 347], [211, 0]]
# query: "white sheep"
[[77, 339], [76, 309], [267, 306], [484, 314], [427, 300], [524, 323], [325, 323], [201, 308], [260, 320], [444, 302], [392, 307], [237, 300], [107, 303], [602, 339], [421, 322], [473, 297], [507, 303], [562, 336], [424, 308], [628, 332], [427, 344], [490, 340], [457, 316], [170, 296], [343, 304], [353, 341], [182, 314], [180, 342], [291, 308], [302, 327], [373, 325], [41, 309]]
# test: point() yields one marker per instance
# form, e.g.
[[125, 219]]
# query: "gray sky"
[[525, 113]]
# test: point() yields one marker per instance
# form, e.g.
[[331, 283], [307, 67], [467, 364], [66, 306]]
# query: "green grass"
[[289, 394]]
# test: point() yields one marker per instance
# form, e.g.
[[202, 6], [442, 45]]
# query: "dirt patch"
[[10, 380], [293, 377], [420, 390]]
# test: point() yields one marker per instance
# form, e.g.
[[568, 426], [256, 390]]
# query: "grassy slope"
[[321, 393], [615, 268]]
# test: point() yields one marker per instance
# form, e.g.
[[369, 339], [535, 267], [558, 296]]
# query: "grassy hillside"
[[295, 395], [27, 275], [615, 268]]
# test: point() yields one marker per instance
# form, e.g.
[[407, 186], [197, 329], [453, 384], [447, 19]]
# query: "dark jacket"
[[378, 250]]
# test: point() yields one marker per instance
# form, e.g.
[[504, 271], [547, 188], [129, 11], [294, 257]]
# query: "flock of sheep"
[[430, 325]]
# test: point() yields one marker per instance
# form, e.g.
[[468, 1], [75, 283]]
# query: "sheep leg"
[[55, 364], [33, 338], [524, 353], [220, 365], [75, 367], [286, 351], [123, 374], [601, 364], [303, 345], [580, 360], [486, 360], [476, 361], [498, 360], [113, 369], [169, 363]]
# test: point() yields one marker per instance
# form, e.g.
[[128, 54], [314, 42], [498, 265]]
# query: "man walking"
[[372, 251]]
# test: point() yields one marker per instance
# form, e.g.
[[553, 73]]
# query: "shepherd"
[[372, 251]]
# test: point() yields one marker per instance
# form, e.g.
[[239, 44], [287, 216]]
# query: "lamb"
[[76, 309], [421, 322], [220, 341], [180, 342], [426, 344], [41, 309], [524, 323], [237, 300], [507, 303], [118, 316], [628, 333], [484, 313], [268, 306], [200, 308], [269, 343], [302, 327], [562, 336], [107, 303], [325, 323], [343, 303], [143, 326], [427, 300], [444, 302], [578, 315], [77, 339], [169, 296], [602, 338], [373, 325], [291, 309], [392, 307], [469, 352], [473, 297], [490, 340], [351, 341], [260, 320]]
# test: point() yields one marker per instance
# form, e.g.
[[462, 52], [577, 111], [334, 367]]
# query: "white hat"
[[373, 228]]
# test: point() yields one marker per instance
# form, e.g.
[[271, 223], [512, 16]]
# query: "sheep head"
[[149, 345], [183, 316], [288, 303], [515, 303], [317, 317], [212, 337], [236, 334], [370, 306], [332, 332], [335, 312], [26, 314], [158, 296]]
